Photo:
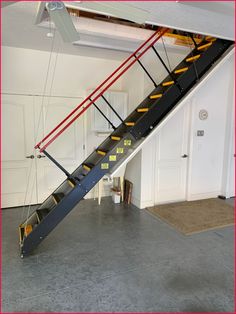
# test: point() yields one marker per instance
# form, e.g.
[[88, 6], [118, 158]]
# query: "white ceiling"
[[214, 18], [18, 29]]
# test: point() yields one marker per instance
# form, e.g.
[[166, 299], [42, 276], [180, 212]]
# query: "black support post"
[[193, 40], [115, 112], [163, 63], [57, 164], [142, 66], [112, 125]]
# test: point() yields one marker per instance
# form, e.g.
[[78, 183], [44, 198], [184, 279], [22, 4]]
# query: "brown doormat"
[[195, 216]]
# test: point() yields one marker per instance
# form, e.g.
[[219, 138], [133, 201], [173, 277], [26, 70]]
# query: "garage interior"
[[165, 243]]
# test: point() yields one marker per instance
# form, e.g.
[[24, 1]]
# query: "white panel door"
[[18, 171], [171, 166], [67, 149]]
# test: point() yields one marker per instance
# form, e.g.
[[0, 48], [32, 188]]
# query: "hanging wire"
[[46, 82], [30, 199], [163, 43], [27, 188], [39, 120], [189, 41]]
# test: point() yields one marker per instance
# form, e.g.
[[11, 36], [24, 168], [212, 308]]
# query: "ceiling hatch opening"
[[96, 29]]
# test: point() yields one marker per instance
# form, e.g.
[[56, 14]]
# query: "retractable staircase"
[[153, 109]]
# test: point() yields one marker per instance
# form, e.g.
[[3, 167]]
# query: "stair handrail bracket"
[[100, 90]]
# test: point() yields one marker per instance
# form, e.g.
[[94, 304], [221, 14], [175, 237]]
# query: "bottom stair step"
[[42, 213], [25, 231]]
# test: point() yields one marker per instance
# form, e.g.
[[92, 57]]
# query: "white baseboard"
[[202, 196]]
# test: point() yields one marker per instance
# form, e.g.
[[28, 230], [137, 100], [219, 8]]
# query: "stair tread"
[[193, 58], [204, 46], [142, 109], [57, 197], [181, 70], [130, 123], [71, 182], [168, 83], [88, 166], [116, 138], [210, 38], [155, 96], [42, 213], [101, 152]]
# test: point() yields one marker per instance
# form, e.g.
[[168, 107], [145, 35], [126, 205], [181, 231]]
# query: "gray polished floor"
[[117, 258]]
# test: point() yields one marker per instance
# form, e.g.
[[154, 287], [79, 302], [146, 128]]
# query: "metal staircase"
[[153, 109]]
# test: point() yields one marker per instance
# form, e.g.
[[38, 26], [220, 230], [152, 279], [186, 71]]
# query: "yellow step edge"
[[142, 110], [204, 46], [130, 123], [100, 152], [115, 138], [193, 58], [86, 167], [210, 38], [181, 70], [155, 96], [28, 229], [168, 83], [71, 183]]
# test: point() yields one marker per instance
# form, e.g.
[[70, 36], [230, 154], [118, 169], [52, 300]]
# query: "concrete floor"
[[117, 258]]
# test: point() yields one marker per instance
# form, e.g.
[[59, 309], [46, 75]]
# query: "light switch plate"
[[200, 132]]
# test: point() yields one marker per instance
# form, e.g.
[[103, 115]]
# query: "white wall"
[[207, 152], [34, 72], [25, 71]]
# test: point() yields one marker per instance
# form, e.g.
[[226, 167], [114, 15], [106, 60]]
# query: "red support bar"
[[102, 84]]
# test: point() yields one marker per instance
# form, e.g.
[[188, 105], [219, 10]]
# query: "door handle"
[[30, 157], [41, 156], [184, 156]]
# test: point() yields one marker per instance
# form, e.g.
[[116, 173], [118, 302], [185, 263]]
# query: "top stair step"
[[205, 46]]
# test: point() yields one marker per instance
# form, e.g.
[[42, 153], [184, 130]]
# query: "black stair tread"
[[101, 152], [116, 137], [203, 46], [57, 197], [88, 166], [42, 213], [71, 182]]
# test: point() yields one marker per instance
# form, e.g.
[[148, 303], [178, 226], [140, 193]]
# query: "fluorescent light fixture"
[[62, 20]]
